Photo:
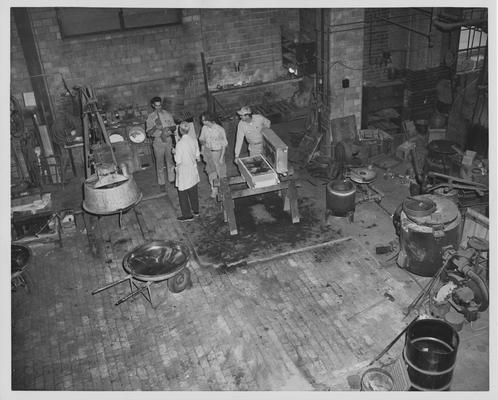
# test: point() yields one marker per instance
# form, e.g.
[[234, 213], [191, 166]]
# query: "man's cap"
[[244, 110]]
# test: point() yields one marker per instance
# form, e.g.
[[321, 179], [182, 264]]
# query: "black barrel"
[[340, 197], [430, 352]]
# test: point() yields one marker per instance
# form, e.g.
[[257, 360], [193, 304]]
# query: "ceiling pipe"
[[425, 34], [451, 26]]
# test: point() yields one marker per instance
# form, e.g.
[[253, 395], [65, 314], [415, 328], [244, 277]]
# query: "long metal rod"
[[364, 21], [86, 144], [210, 104], [110, 285], [388, 347], [404, 27], [132, 294]]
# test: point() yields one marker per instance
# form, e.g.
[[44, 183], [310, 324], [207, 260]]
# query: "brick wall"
[[346, 62], [243, 45], [127, 68]]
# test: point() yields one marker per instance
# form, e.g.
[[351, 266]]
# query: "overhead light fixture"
[[293, 70]]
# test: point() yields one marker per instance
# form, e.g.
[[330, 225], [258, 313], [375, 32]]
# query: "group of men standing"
[[176, 149]]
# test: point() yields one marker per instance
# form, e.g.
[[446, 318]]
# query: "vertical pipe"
[[325, 114], [210, 103], [408, 60], [34, 63], [480, 43], [468, 42]]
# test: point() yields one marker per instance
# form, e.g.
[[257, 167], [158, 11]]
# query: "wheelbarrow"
[[154, 262]]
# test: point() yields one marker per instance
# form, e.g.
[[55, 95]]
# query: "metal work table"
[[228, 193], [32, 227]]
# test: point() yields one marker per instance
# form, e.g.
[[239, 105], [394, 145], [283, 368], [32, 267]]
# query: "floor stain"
[[263, 229]]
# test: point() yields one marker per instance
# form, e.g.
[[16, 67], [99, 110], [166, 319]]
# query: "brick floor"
[[252, 328], [309, 320]]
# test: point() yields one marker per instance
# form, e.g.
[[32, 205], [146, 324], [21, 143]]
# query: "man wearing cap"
[[186, 154], [250, 127], [159, 125]]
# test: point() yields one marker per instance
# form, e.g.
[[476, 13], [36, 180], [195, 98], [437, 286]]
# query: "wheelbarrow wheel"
[[180, 281]]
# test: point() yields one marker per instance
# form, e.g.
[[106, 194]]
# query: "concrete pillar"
[[346, 62]]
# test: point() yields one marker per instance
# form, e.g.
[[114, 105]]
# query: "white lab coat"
[[186, 156]]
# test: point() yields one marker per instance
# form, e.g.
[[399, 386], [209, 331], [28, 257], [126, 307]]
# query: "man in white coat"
[[186, 155]]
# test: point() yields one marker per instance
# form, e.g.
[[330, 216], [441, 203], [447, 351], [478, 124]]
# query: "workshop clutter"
[[125, 153], [459, 288], [375, 141]]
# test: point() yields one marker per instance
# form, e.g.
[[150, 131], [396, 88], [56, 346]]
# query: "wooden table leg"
[[228, 207], [284, 195], [292, 196]]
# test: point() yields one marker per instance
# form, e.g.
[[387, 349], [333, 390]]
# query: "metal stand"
[[135, 289], [349, 215], [368, 193]]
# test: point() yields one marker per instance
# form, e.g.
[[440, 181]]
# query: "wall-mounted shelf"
[[253, 86]]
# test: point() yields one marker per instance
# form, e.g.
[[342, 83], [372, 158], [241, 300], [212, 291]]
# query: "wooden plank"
[[284, 193], [86, 145], [234, 180], [292, 194], [343, 128], [251, 192], [228, 206], [475, 225]]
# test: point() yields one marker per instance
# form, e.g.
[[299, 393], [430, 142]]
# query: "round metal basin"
[[157, 260], [19, 257]]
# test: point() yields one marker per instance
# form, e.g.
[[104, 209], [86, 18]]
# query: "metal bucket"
[[340, 197], [430, 352], [110, 199], [377, 380]]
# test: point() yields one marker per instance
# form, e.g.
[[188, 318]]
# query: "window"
[[471, 49], [77, 21]]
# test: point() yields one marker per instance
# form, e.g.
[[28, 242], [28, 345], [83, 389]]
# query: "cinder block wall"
[[127, 68], [242, 45], [346, 62]]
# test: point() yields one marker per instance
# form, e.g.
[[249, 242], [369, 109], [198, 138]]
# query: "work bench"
[[230, 189]]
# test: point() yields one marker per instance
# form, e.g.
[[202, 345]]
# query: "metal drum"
[[425, 224], [340, 197], [110, 199], [430, 353]]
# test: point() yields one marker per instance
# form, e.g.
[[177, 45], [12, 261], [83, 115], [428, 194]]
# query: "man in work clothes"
[[158, 126], [186, 154], [214, 143], [250, 127]]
